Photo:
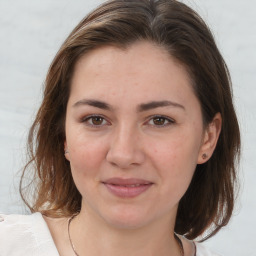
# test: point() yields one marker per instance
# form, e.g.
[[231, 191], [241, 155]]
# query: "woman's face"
[[134, 133]]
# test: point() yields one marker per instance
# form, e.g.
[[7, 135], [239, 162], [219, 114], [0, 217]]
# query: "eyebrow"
[[93, 103], [142, 107], [157, 104]]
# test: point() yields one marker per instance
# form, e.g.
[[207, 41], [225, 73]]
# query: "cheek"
[[86, 155], [176, 158], [86, 158]]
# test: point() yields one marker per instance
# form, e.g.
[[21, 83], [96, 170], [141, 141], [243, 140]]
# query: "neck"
[[91, 235]]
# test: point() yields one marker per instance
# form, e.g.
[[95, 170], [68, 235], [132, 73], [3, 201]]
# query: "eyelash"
[[165, 118], [87, 118], [151, 118]]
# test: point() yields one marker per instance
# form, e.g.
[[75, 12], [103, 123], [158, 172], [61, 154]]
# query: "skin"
[[129, 141]]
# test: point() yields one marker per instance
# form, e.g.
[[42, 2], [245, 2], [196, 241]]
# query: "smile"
[[127, 188]]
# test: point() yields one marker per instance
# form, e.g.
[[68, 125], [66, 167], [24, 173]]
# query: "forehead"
[[142, 69]]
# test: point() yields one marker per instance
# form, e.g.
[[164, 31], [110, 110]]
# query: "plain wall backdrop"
[[31, 31]]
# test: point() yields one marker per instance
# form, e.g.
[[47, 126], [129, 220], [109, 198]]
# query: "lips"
[[127, 187]]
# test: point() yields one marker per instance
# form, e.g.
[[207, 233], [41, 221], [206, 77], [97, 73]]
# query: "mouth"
[[127, 188]]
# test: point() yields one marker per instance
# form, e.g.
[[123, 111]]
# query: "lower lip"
[[127, 192]]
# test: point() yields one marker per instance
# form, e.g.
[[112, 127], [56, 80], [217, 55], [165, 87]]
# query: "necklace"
[[74, 250], [71, 243], [180, 245]]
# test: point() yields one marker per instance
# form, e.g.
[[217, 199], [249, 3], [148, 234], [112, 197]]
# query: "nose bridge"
[[125, 147]]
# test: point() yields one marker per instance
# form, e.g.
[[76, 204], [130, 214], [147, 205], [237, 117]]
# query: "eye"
[[160, 121], [95, 120]]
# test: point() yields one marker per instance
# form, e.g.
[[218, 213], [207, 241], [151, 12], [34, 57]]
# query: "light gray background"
[[31, 32]]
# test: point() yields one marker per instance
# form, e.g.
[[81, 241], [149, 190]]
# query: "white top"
[[29, 235]]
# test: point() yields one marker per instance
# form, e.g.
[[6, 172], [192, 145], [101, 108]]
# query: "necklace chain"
[[74, 250], [180, 245], [71, 243]]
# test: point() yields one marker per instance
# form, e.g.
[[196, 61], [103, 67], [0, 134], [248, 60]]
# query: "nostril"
[[124, 152]]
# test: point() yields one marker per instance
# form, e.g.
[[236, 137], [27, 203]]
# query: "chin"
[[126, 224], [127, 219]]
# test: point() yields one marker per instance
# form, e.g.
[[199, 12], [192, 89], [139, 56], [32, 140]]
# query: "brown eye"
[[159, 120], [97, 120]]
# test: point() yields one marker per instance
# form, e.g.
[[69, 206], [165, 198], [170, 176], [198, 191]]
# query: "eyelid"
[[169, 119], [88, 117], [85, 119]]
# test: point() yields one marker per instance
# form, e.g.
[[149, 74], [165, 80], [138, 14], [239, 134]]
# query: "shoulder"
[[190, 246], [204, 251], [29, 234]]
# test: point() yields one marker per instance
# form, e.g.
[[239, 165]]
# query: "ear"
[[210, 139], [66, 152]]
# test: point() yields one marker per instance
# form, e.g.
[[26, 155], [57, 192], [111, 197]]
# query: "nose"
[[125, 149]]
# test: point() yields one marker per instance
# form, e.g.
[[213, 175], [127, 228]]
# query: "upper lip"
[[130, 181]]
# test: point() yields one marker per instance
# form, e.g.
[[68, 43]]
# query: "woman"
[[133, 150]]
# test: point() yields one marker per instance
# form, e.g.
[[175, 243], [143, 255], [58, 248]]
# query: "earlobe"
[[66, 152], [210, 139]]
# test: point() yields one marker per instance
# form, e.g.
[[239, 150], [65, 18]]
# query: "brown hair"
[[209, 200]]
